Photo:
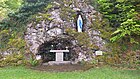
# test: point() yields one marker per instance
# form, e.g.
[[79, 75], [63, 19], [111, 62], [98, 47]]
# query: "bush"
[[128, 59], [14, 59], [31, 60]]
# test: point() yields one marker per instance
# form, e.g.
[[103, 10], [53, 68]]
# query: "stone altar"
[[59, 54], [59, 58]]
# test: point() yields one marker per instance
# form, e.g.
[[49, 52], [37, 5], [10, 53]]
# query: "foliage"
[[121, 25], [44, 15], [25, 14], [120, 13], [30, 8], [13, 59], [11, 39], [127, 59], [8, 6], [4, 36], [131, 59], [83, 39], [67, 13], [33, 61], [102, 25], [94, 3], [11, 47], [16, 41], [13, 27], [127, 28]]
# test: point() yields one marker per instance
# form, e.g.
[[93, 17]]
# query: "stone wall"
[[62, 15]]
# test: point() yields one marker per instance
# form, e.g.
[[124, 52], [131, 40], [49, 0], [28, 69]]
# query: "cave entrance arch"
[[56, 44]]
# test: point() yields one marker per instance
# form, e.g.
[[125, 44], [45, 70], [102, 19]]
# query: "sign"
[[98, 53], [79, 23]]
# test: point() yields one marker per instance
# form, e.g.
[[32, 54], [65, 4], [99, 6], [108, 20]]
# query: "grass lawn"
[[95, 73]]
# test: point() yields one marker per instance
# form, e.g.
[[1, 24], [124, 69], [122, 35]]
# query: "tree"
[[30, 8], [8, 6], [123, 17], [19, 19]]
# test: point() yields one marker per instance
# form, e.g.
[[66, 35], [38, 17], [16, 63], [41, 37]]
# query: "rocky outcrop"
[[62, 15]]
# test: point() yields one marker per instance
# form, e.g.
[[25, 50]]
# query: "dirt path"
[[62, 68]]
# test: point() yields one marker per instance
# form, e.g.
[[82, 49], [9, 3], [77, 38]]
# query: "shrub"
[[33, 61], [14, 59], [30, 60], [128, 59]]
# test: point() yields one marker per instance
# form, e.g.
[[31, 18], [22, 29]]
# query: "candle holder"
[[66, 47], [51, 47]]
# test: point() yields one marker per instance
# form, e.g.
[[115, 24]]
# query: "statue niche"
[[79, 22]]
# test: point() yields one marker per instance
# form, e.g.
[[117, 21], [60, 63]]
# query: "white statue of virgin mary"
[[79, 23]]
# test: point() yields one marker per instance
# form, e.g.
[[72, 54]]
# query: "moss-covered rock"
[[59, 22]]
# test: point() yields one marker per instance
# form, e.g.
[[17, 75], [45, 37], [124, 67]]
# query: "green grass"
[[95, 73]]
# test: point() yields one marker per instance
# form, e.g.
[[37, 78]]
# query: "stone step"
[[57, 62]]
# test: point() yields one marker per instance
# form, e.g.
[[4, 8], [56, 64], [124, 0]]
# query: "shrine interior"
[[57, 44]]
